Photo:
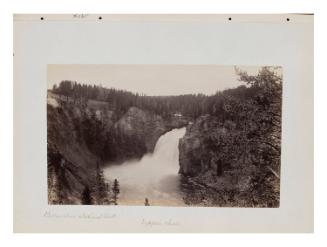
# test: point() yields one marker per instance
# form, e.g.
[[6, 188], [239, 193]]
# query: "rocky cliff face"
[[84, 136], [194, 158], [143, 126], [71, 165]]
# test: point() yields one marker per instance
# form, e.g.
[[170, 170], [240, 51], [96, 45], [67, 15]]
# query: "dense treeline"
[[189, 105]]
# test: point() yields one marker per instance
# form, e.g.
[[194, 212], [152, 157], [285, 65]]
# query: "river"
[[155, 176]]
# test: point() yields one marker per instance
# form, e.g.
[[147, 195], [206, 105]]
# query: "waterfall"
[[154, 176]]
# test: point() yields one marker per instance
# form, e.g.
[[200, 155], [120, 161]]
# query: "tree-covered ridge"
[[189, 105]]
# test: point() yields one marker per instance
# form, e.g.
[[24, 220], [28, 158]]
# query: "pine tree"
[[100, 185], [146, 202], [116, 191], [86, 196]]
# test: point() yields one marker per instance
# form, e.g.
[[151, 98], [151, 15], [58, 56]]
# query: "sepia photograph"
[[164, 135], [163, 123]]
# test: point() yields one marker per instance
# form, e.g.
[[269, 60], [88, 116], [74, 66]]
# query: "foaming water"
[[155, 176]]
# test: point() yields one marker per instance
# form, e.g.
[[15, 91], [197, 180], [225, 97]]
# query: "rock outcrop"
[[143, 126], [194, 157]]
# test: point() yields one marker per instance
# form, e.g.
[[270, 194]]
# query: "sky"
[[151, 79]]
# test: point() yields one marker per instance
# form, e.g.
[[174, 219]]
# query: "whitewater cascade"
[[154, 176]]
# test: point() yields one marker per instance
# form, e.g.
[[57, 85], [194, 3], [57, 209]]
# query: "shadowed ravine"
[[155, 176]]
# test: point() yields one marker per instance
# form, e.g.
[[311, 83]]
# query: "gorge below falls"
[[155, 176]]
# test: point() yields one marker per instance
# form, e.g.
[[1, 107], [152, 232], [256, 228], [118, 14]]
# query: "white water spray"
[[155, 176]]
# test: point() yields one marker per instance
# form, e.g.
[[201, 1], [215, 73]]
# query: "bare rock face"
[[189, 151], [198, 151], [71, 165], [143, 126], [192, 153]]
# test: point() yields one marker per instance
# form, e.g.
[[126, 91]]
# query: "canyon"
[[113, 147]]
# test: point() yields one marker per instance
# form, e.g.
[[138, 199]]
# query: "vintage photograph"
[[164, 135]]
